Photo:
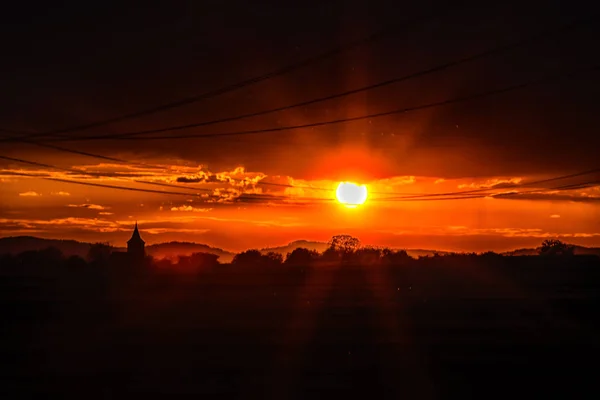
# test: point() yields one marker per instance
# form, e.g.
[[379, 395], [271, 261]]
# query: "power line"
[[583, 185], [103, 185], [465, 195], [457, 196], [147, 182], [127, 162], [484, 190], [149, 165], [261, 183], [87, 154], [245, 195], [481, 55], [456, 100], [248, 82], [486, 53], [95, 174]]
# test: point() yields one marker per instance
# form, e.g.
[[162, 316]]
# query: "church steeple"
[[135, 245]]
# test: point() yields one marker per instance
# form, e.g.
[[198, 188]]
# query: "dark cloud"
[[183, 179], [199, 179]]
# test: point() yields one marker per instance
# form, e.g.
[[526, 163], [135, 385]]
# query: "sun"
[[350, 194]]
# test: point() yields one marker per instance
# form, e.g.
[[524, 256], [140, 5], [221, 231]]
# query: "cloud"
[[496, 183], [70, 222], [72, 225], [30, 194], [282, 222], [105, 213], [189, 208], [555, 216], [193, 179], [64, 194], [237, 177], [200, 177], [224, 195], [441, 180], [390, 183], [158, 231], [89, 206]]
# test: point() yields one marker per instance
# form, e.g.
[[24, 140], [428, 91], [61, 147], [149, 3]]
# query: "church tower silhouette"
[[135, 245]]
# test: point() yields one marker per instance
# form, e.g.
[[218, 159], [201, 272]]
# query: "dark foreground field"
[[437, 328]]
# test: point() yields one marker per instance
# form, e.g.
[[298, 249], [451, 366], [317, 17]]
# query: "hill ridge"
[[172, 249]]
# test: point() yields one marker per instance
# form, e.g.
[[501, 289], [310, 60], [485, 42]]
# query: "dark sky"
[[77, 62]]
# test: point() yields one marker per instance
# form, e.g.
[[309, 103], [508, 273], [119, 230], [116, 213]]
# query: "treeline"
[[342, 249]]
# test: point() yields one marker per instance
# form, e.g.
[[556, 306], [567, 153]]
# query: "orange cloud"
[[190, 208], [496, 183], [30, 194], [89, 206]]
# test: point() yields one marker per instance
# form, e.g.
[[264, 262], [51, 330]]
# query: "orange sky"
[[237, 210], [254, 190]]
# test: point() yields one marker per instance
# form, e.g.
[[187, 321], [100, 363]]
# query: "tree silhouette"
[[344, 243], [202, 259], [369, 255], [75, 262], [554, 247], [273, 258], [248, 257], [395, 257], [51, 256], [99, 253], [301, 257]]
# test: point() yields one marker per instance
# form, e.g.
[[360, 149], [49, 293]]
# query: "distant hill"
[[579, 250], [174, 249], [18, 244], [521, 252], [288, 248], [322, 246]]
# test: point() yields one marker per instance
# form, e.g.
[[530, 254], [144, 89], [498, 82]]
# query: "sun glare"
[[350, 194]]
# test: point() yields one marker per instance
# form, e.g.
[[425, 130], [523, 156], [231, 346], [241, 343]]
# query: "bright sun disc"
[[350, 194]]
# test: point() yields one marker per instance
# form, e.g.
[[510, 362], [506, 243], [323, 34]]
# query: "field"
[[441, 327]]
